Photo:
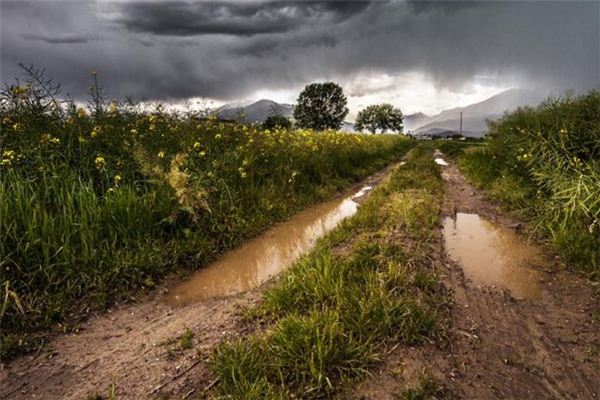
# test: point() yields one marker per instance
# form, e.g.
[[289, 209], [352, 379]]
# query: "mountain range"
[[445, 123]]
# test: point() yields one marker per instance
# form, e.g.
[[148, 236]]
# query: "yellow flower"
[[81, 113], [202, 153], [218, 136], [197, 145], [100, 162], [117, 179], [133, 131], [112, 108], [17, 127], [161, 154], [110, 190], [54, 140], [95, 131], [8, 157], [210, 174]]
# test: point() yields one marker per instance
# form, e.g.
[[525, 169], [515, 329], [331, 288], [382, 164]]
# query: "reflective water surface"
[[264, 257], [493, 255]]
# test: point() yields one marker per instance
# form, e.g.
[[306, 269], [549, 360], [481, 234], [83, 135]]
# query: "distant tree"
[[379, 116], [277, 121], [321, 106]]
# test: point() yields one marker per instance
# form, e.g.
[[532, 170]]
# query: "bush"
[[545, 162]]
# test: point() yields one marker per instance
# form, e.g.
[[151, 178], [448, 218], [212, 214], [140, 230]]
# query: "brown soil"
[[496, 347], [135, 346], [499, 347]]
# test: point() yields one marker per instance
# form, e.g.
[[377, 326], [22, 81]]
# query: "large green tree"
[[382, 117], [321, 106]]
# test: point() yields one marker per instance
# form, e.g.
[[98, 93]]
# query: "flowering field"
[[103, 200]]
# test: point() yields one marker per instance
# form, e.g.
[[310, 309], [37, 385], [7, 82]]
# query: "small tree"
[[321, 106], [277, 121], [380, 116]]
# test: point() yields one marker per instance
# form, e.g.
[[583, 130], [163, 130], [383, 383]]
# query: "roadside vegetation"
[[103, 200], [368, 284], [544, 162]]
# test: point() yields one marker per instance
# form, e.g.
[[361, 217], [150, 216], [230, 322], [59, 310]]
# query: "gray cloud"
[[229, 18], [65, 38], [228, 50]]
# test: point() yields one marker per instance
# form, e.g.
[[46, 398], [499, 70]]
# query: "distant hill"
[[255, 112], [413, 121], [475, 115]]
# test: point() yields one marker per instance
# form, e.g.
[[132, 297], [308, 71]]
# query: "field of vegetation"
[[333, 315], [544, 163], [103, 200]]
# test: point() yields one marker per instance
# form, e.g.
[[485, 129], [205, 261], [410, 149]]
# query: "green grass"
[[544, 163], [98, 204], [332, 315]]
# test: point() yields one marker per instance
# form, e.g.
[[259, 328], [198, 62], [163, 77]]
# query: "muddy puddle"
[[493, 255], [266, 256]]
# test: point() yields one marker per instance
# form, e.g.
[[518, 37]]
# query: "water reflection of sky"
[[264, 257], [493, 255]]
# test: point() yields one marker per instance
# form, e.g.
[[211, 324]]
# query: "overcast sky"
[[417, 55]]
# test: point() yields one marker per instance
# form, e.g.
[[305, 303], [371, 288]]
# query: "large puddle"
[[266, 256], [493, 255]]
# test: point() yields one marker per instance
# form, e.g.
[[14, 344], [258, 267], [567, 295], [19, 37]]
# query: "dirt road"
[[498, 346], [136, 347]]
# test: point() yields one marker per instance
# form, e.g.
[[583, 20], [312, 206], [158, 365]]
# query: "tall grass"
[[545, 163], [97, 202], [332, 315]]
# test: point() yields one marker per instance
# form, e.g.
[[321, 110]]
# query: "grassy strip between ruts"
[[369, 283]]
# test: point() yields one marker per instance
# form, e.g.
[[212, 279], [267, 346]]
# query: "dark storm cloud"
[[66, 38], [229, 50], [229, 18]]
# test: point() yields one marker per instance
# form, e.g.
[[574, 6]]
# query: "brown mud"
[[135, 347], [532, 335]]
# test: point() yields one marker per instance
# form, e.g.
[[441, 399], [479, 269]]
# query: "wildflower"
[[202, 153], [8, 157], [242, 172], [54, 140], [100, 162], [82, 139], [197, 145], [110, 190], [210, 174], [117, 179], [112, 108], [81, 113], [161, 154], [245, 162], [133, 131], [95, 131], [218, 136], [17, 127]]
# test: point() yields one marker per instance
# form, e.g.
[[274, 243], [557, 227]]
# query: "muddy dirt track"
[[498, 347]]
